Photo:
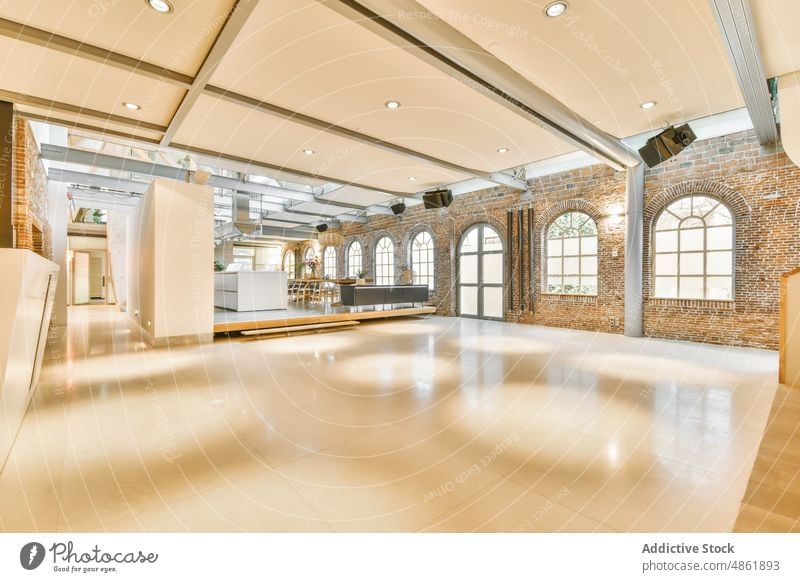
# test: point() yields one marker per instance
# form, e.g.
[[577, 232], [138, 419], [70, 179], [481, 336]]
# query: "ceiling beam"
[[135, 187], [211, 157], [83, 126], [50, 105], [282, 169], [281, 217], [290, 233], [74, 48], [434, 41], [197, 85], [234, 23], [735, 21], [55, 153], [97, 181], [324, 217], [349, 134]]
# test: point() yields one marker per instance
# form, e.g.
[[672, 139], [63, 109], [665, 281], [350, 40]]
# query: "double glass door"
[[480, 273]]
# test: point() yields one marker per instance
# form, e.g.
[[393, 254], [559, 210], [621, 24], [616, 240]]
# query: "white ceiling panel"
[[305, 57], [603, 59], [776, 27], [177, 41], [318, 209], [354, 195], [58, 77], [241, 131]]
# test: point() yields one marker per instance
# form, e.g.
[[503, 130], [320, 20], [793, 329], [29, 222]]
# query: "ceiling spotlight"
[[309, 152], [131, 106], [648, 105], [412, 178], [392, 104], [555, 9], [502, 150], [160, 6]]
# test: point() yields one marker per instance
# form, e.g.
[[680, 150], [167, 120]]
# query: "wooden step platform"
[[303, 315]]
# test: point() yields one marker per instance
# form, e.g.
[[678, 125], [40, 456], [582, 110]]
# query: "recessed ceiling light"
[[555, 9], [392, 104], [648, 105], [131, 106], [160, 6], [412, 178], [309, 152], [502, 150]]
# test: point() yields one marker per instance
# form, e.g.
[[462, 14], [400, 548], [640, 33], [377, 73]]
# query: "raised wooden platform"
[[305, 315]]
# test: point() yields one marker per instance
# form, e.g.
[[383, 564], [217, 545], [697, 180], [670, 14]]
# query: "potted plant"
[[312, 265], [406, 275], [361, 277], [218, 266]]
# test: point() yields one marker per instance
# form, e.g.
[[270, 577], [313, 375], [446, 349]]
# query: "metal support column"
[[634, 234]]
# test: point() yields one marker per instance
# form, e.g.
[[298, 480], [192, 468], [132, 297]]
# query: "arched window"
[[384, 261], [693, 250], [354, 259], [572, 255], [289, 264], [422, 259], [329, 263]]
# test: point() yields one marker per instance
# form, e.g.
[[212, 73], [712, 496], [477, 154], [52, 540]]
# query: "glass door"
[[481, 273]]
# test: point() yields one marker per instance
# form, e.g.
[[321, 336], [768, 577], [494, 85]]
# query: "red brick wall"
[[30, 193], [762, 187]]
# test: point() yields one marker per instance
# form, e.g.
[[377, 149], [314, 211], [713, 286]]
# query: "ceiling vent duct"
[[241, 214]]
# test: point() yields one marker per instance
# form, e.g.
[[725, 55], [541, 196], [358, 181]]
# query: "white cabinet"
[[251, 290]]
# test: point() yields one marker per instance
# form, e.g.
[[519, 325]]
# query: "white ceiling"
[[241, 131], [319, 63], [602, 59], [179, 41]]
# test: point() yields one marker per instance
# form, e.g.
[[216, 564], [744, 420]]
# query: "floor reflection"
[[435, 424]]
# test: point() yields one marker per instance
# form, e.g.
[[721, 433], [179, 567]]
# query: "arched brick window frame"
[[655, 206]]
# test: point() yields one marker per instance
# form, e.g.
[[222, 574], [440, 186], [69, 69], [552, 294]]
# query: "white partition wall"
[[117, 220], [27, 295], [790, 329], [171, 263]]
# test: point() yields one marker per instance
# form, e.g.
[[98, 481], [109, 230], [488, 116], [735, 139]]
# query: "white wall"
[[117, 220], [58, 212], [171, 262], [87, 243]]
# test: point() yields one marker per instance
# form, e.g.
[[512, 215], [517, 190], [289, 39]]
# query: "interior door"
[[80, 278], [481, 273], [97, 277]]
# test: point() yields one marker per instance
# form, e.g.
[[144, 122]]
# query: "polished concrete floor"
[[772, 499], [435, 424]]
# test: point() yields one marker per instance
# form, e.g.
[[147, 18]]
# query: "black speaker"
[[667, 144], [322, 227], [437, 198], [398, 207]]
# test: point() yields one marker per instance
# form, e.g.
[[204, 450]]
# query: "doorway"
[[89, 277], [481, 260]]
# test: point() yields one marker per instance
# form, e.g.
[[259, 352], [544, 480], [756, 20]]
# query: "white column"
[[634, 234]]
